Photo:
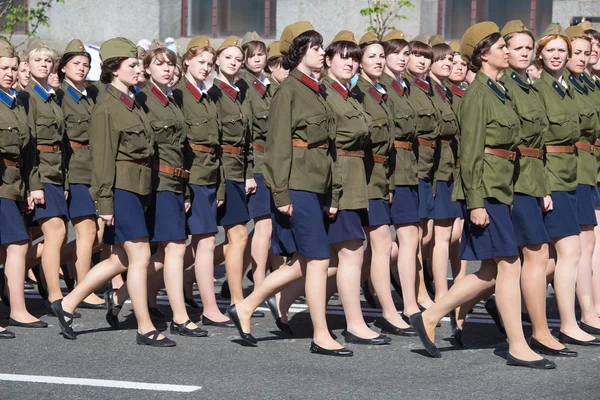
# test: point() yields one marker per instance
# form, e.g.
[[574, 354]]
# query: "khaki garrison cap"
[[141, 52], [344, 36], [34, 44], [574, 32], [513, 26], [554, 29], [6, 49], [436, 39], [273, 50], [586, 25], [368, 37], [395, 34], [455, 46], [198, 41], [423, 39], [118, 47], [156, 44], [474, 35], [75, 46], [291, 32], [231, 41], [251, 37]]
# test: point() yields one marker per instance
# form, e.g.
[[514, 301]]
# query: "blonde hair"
[[194, 52], [41, 52]]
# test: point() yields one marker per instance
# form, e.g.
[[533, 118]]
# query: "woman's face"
[[595, 55], [256, 63], [396, 62], [582, 50], [8, 68], [161, 70], [459, 69], [418, 65], [129, 72], [77, 69], [201, 66], [230, 61], [314, 57], [520, 48], [342, 68], [443, 68], [373, 61], [53, 80], [279, 73], [23, 74], [176, 78], [498, 56], [555, 55], [40, 66]]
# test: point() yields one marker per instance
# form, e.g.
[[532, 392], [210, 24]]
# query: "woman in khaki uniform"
[[121, 142]]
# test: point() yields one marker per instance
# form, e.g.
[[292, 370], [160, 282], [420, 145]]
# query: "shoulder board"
[[375, 94], [316, 86], [127, 101], [6, 99], [496, 90], [439, 89], [41, 92], [229, 90], [340, 89], [576, 84], [588, 82], [260, 88], [457, 90], [74, 93], [558, 89], [194, 91], [160, 96], [515, 77], [423, 84], [397, 87]]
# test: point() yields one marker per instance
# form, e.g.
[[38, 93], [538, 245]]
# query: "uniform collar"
[[196, 91], [517, 78], [576, 83], [457, 90], [492, 85], [7, 99], [160, 96], [441, 89], [41, 91], [125, 98], [560, 90], [397, 84], [231, 90], [258, 82], [338, 87], [306, 80], [423, 84], [374, 91], [75, 94], [588, 80]]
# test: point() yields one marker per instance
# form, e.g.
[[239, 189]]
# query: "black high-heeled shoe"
[[283, 327], [492, 309], [389, 328], [39, 282], [416, 320], [111, 304], [151, 339], [65, 320], [343, 352], [183, 330], [538, 364], [246, 337]]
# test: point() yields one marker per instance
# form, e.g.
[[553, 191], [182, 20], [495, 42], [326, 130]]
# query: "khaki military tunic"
[[446, 150]]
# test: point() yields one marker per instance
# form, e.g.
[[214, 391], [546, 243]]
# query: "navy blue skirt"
[[347, 225], [586, 205], [596, 194], [130, 221], [258, 202], [80, 201], [235, 209], [405, 205], [528, 220], [562, 220], [202, 217], [166, 217], [378, 213], [445, 208], [426, 201], [55, 204], [495, 240], [12, 227], [304, 231]]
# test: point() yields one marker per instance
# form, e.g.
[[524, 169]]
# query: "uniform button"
[[166, 126]]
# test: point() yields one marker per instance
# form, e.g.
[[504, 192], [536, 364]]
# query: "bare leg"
[[596, 266], [426, 238], [14, 270], [55, 232], [260, 248], [204, 268], [584, 288], [237, 237], [441, 254], [459, 267], [173, 275], [86, 235], [408, 243]]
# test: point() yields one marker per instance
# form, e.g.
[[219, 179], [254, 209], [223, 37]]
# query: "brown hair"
[[513, 34], [163, 52], [272, 63], [251, 48], [592, 33], [543, 42], [345, 49], [108, 67], [419, 49], [194, 52], [482, 48], [394, 46], [441, 51]]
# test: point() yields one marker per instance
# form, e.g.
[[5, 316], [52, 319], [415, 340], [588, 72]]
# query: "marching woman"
[[76, 103], [379, 146], [297, 168], [457, 77], [235, 155], [553, 51], [586, 192], [488, 123], [275, 68], [121, 143], [48, 192], [23, 74], [202, 159], [17, 157]]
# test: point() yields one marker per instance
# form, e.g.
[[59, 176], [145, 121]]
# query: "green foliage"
[[15, 13], [382, 13]]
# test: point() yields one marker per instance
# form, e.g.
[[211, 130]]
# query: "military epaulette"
[[260, 88], [6, 99], [376, 95], [496, 90], [423, 84], [311, 83], [41, 92], [340, 89], [75, 94], [397, 87], [558, 89], [597, 83], [576, 84], [440, 90], [515, 77], [128, 101], [164, 100], [229, 90], [457, 90], [588, 82], [194, 90]]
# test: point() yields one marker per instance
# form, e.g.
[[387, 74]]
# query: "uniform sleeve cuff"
[[105, 206], [282, 198], [474, 199]]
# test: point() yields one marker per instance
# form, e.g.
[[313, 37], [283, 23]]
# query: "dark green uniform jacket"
[[593, 86], [486, 119], [298, 111], [445, 152], [121, 142], [456, 94]]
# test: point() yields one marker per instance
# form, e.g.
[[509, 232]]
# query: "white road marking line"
[[160, 387]]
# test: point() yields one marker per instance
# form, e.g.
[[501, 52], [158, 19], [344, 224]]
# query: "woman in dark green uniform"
[[274, 68], [488, 124], [121, 142]]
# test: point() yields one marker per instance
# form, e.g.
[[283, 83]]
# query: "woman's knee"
[[238, 236], [54, 229]]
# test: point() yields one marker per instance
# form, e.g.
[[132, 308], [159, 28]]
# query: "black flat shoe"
[[376, 341], [69, 281], [272, 304], [111, 318], [35, 324], [191, 302], [492, 309], [5, 299], [389, 328], [539, 364], [565, 339], [416, 320], [589, 329], [225, 293], [366, 290], [183, 330], [543, 349], [156, 313], [40, 284], [209, 322], [407, 319], [65, 320], [6, 334], [343, 352], [51, 311], [246, 337], [258, 314], [151, 339], [91, 306], [283, 327]]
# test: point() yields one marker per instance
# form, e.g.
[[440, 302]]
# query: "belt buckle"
[[177, 172], [55, 147], [512, 155]]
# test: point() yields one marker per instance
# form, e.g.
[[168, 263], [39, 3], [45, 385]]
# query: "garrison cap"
[[273, 50], [395, 34], [291, 32], [118, 47], [574, 32], [586, 25], [199, 41], [75, 46], [21, 54], [141, 52], [251, 37], [368, 37], [344, 36], [156, 44], [423, 39], [554, 29], [436, 39], [34, 44], [514, 26], [7, 49], [455, 46], [56, 55], [231, 41], [474, 35]]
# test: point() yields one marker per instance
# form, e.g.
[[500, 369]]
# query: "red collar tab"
[[229, 90], [440, 90], [194, 91], [127, 101], [260, 88], [457, 90], [160, 96], [422, 84], [311, 83], [376, 95], [340, 89], [398, 87]]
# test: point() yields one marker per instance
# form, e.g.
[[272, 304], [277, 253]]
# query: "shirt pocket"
[[357, 123], [449, 125], [507, 133], [405, 124], [10, 141], [47, 129], [317, 131], [77, 126], [532, 124], [562, 128], [233, 128], [427, 120], [165, 131], [261, 123], [134, 142]]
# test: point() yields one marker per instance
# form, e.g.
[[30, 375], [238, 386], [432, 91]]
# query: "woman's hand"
[[187, 206], [250, 186], [330, 211], [479, 217], [109, 220], [66, 195], [287, 210], [391, 197], [547, 204], [220, 203], [35, 197]]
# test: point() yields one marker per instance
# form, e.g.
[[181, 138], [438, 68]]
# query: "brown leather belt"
[[560, 149], [232, 149], [349, 153], [143, 163], [506, 154], [258, 147], [302, 143], [588, 148], [445, 141], [203, 149], [427, 143], [597, 142], [176, 172], [458, 163], [529, 152], [401, 144], [48, 148], [78, 145], [11, 163], [380, 159]]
